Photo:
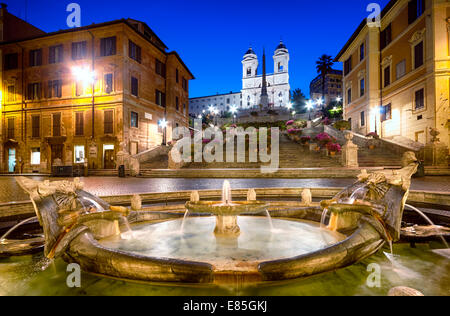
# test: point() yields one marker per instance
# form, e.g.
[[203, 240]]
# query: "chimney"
[[4, 5]]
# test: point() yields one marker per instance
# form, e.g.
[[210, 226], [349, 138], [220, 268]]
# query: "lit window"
[[79, 154], [35, 156]]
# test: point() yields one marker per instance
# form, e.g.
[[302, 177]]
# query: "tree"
[[323, 67], [298, 100]]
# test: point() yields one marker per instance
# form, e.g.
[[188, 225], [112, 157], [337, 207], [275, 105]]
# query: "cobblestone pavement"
[[104, 186]]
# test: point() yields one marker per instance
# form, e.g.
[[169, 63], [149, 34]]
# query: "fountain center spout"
[[226, 193]]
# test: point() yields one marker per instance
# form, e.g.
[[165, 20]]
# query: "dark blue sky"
[[212, 36]]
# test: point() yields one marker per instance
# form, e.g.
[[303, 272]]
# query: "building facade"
[[77, 97], [278, 88], [221, 102], [333, 86], [396, 77]]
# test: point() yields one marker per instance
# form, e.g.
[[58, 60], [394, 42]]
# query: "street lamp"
[[163, 124], [375, 111], [319, 102], [233, 112], [86, 76], [309, 107]]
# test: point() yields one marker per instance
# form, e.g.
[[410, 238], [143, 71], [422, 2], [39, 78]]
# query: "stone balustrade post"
[[350, 153]]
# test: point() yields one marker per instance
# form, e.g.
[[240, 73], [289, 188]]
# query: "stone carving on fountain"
[[64, 211], [381, 196]]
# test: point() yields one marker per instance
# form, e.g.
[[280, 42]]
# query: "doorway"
[[108, 157], [11, 160], [57, 153]]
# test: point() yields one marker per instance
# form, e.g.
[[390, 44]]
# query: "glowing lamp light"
[[233, 109], [200, 116], [319, 101], [293, 113], [162, 123], [289, 105], [338, 99], [309, 105], [84, 75]]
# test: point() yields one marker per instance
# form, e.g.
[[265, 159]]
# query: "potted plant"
[[305, 140], [373, 140], [342, 125], [333, 148], [323, 139]]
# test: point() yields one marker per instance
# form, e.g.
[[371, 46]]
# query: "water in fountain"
[[3, 238], [226, 193], [323, 218], [428, 220], [186, 214], [270, 220], [97, 206]]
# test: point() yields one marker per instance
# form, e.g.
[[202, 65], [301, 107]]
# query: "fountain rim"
[[230, 209]]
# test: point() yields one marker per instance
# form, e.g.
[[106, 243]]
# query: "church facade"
[[277, 88]]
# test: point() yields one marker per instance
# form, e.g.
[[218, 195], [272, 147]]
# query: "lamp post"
[[375, 113], [233, 113], [309, 107], [163, 124]]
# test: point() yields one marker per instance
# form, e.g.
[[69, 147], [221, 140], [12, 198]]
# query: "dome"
[[281, 48], [250, 51]]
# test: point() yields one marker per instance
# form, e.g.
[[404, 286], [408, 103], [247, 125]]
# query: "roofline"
[[92, 26], [341, 72], [360, 28], [88, 27], [182, 63], [215, 95]]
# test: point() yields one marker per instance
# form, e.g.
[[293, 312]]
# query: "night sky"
[[212, 36]]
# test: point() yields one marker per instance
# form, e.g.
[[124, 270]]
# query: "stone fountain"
[[226, 211], [83, 229]]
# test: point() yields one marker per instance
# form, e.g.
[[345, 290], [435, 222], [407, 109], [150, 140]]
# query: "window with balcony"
[[349, 96]]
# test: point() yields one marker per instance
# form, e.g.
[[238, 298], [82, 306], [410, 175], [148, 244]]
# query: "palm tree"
[[323, 66]]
